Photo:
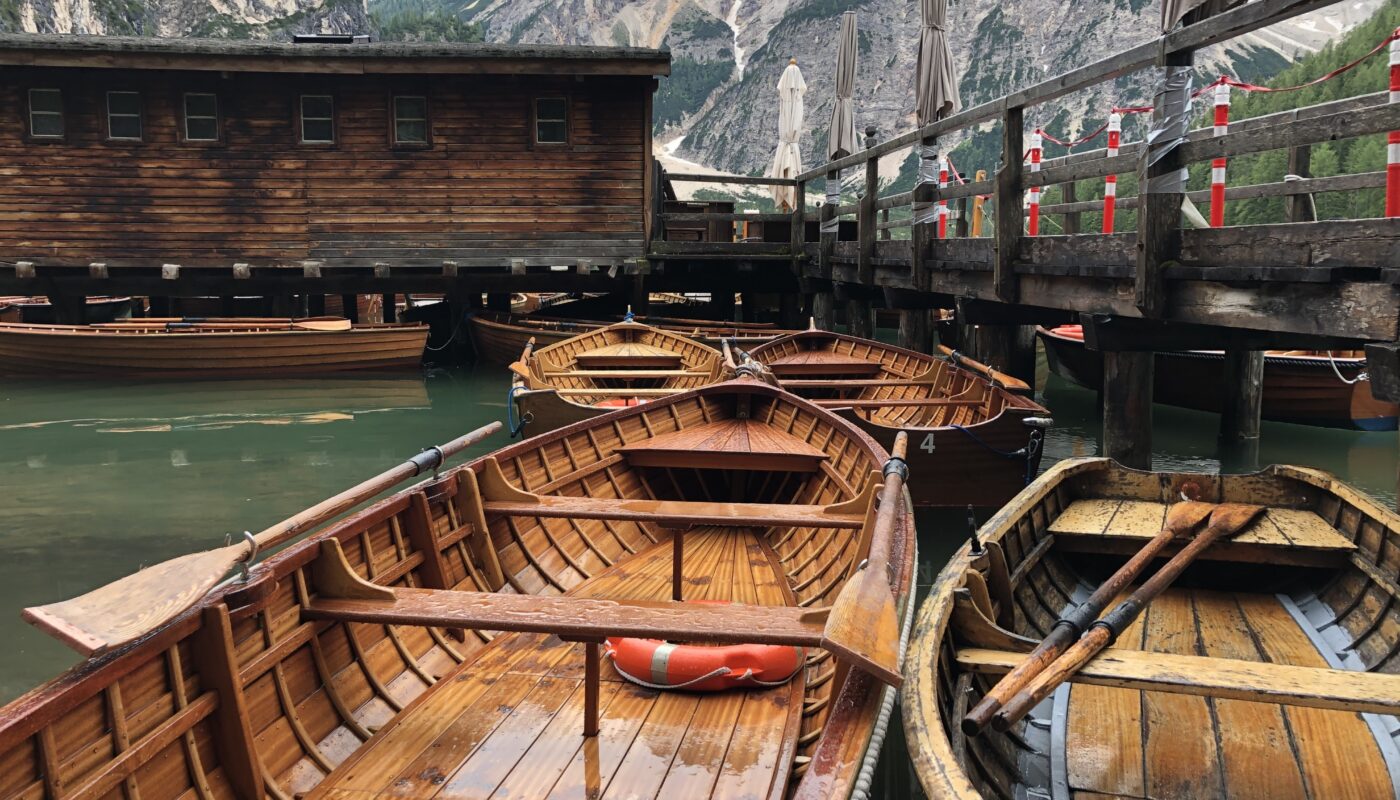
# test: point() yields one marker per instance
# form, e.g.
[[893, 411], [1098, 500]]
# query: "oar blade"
[[1186, 516], [125, 610], [322, 325], [1230, 519], [863, 628]]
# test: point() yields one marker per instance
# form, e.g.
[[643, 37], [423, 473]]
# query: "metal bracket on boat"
[[430, 458], [974, 543], [1038, 422], [896, 465], [248, 559]]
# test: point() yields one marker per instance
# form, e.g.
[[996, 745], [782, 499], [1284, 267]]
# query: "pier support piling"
[[68, 309], [824, 301], [860, 318], [1127, 408], [350, 307], [1242, 395]]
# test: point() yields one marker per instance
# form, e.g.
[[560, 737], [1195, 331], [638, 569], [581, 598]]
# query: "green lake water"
[[97, 480]]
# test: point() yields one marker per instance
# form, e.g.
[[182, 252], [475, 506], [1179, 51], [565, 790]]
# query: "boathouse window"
[[410, 120], [201, 117], [124, 116], [317, 119], [551, 120], [46, 113]]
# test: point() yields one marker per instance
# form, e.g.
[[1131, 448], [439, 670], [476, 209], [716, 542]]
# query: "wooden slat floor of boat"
[[1144, 744], [509, 722], [1136, 521]]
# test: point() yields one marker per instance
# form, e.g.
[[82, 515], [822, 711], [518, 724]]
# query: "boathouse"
[[140, 151]]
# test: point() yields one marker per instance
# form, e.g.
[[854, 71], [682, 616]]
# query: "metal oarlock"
[[247, 561], [430, 458]]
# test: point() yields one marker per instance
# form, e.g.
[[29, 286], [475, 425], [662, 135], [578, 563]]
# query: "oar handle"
[[430, 459], [1045, 653], [1040, 687]]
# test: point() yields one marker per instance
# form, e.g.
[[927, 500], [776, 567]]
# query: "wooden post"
[[391, 310], [498, 301], [790, 311], [1069, 194], [960, 226], [640, 299], [914, 329], [1010, 213], [723, 303], [860, 320], [591, 678], [316, 305], [1127, 408], [824, 302], [885, 222], [1298, 207], [350, 306], [1242, 395], [1159, 198]]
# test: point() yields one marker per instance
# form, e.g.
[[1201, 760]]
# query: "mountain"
[[718, 108]]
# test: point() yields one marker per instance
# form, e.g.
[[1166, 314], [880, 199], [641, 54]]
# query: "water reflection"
[[100, 479]]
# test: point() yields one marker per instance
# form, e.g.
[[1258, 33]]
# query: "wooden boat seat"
[[1281, 535], [500, 497], [627, 374], [822, 362], [1233, 679], [727, 444], [629, 355], [509, 717]]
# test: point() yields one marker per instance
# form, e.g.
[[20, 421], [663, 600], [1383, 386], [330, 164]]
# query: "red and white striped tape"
[[1033, 226], [1217, 166], [942, 204], [1110, 182], [1392, 149]]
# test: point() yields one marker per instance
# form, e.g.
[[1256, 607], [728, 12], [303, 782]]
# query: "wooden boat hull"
[[251, 694], [1298, 389], [981, 454], [67, 351], [1243, 655], [498, 338]]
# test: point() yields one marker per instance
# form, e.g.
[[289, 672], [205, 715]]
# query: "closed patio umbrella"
[[787, 162], [842, 138], [937, 86]]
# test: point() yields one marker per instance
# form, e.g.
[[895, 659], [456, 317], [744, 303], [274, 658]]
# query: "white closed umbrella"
[[787, 162], [842, 139]]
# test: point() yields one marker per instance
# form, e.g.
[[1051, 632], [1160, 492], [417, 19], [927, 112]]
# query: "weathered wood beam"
[[824, 303], [747, 180], [1105, 332], [1009, 211], [1127, 408], [860, 318]]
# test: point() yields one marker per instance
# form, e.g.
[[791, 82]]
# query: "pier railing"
[[1332, 279]]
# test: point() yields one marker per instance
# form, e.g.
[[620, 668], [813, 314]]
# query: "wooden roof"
[[143, 52]]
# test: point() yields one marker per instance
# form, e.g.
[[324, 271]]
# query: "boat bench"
[[1226, 678], [343, 596]]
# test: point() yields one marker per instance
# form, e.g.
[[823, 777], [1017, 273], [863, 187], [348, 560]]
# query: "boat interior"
[[302, 682], [885, 385], [624, 360], [1268, 669]]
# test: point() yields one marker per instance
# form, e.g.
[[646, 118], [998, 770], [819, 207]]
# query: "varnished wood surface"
[[498, 338], [477, 710], [1219, 688], [61, 350]]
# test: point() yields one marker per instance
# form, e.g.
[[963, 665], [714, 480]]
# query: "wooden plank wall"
[[480, 194]]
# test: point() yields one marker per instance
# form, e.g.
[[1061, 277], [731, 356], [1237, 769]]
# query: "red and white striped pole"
[[1392, 150], [1110, 183], [1034, 224], [942, 204], [1217, 166]]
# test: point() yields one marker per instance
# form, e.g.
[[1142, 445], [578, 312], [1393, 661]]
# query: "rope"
[[1360, 376], [1028, 452], [718, 672], [510, 412], [450, 338]]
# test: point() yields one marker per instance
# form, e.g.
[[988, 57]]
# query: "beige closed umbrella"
[[787, 162], [936, 86], [842, 138]]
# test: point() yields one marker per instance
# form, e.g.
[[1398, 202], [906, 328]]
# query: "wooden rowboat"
[[594, 372], [288, 686], [1308, 387], [213, 349], [498, 338], [1267, 669], [974, 437]]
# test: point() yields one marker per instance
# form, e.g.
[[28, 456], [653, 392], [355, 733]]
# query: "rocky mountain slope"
[[718, 108]]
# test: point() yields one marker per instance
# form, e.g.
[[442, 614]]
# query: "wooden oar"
[[1227, 520], [133, 606], [1182, 518], [863, 626]]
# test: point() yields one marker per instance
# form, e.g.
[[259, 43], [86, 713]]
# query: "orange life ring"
[[657, 664], [620, 402]]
